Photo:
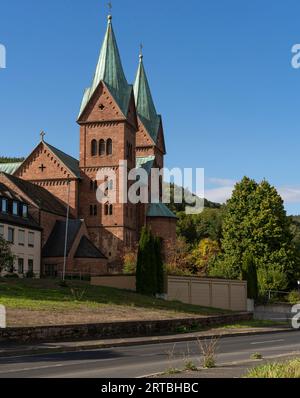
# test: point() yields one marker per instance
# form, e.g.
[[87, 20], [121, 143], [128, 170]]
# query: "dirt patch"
[[23, 317]]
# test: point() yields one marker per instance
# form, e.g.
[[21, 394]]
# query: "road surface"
[[139, 361]]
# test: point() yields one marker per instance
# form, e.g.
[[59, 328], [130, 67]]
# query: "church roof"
[[145, 163], [87, 249], [144, 103], [71, 163], [42, 198], [9, 168], [159, 210], [110, 70], [55, 245]]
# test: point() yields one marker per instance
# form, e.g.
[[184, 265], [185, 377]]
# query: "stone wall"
[[114, 329]]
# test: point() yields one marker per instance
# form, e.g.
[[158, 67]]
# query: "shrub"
[[294, 297], [11, 276], [146, 272], [160, 272], [30, 275], [130, 260], [63, 284]]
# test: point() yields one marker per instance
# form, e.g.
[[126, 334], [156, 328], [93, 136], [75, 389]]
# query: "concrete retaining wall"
[[274, 312], [208, 292], [114, 329]]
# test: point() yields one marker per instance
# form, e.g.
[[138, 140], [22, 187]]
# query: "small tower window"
[[102, 148], [109, 147], [110, 210], [94, 148], [93, 210]]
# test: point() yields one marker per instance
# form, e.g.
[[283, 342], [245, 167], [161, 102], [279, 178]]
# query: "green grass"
[[253, 324], [48, 295], [289, 369]]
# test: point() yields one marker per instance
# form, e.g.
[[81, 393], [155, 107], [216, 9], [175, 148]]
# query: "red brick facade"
[[108, 135]]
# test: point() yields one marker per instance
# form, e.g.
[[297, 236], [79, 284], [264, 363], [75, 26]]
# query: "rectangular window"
[[11, 235], [2, 230], [31, 239], [4, 205], [30, 265], [21, 237], [24, 211], [15, 208], [20, 266]]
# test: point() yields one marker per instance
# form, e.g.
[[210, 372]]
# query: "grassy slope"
[[47, 295], [290, 369]]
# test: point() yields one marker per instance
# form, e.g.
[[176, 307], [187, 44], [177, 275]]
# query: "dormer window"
[[4, 205], [15, 208], [25, 211]]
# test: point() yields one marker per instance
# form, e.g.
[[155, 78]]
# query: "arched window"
[[94, 148], [95, 210], [106, 207], [111, 210], [109, 147], [102, 148]]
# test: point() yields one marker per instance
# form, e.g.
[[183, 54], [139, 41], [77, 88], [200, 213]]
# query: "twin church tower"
[[118, 122]]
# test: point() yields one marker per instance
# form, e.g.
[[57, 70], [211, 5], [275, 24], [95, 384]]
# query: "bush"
[[30, 275], [11, 276], [130, 260], [146, 271], [160, 272], [294, 297]]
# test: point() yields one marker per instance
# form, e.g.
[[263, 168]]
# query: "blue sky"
[[220, 73]]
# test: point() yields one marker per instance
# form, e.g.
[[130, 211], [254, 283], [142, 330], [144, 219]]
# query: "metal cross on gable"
[[42, 168], [42, 134]]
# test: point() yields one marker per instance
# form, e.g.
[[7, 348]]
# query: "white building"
[[22, 232]]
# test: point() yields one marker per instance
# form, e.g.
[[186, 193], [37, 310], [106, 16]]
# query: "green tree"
[[255, 222], [6, 256], [207, 224], [159, 266], [146, 272], [249, 273], [203, 254]]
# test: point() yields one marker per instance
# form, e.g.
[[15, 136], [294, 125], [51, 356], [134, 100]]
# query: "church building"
[[117, 122]]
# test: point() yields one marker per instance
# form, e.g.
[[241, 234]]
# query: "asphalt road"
[[144, 360]]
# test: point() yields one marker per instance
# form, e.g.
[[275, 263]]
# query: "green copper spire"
[[144, 102], [109, 70]]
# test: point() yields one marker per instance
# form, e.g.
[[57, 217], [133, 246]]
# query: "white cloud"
[[290, 194], [222, 189], [221, 181], [219, 195]]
